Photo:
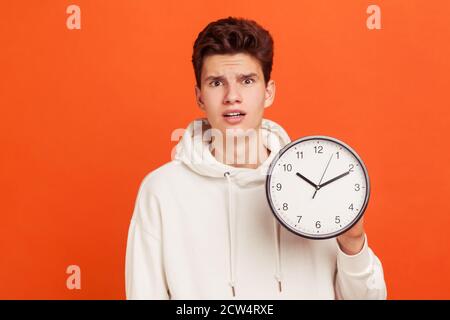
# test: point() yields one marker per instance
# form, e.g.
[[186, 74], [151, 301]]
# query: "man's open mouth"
[[232, 114]]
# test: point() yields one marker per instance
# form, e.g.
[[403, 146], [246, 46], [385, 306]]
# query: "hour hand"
[[307, 180]]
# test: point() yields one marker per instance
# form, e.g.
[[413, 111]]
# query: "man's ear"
[[270, 94], [198, 97]]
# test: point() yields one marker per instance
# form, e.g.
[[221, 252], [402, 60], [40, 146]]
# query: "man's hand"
[[352, 241]]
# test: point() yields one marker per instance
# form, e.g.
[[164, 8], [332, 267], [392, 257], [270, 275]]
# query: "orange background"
[[86, 114]]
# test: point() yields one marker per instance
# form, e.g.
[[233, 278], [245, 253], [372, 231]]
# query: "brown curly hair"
[[230, 36]]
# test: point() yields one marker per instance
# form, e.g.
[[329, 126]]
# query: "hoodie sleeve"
[[144, 269], [360, 276]]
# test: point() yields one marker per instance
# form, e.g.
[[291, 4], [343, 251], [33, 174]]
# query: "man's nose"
[[232, 94]]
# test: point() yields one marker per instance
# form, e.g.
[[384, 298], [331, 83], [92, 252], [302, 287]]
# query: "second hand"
[[322, 176]]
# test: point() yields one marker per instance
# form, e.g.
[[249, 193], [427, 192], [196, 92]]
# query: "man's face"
[[234, 83]]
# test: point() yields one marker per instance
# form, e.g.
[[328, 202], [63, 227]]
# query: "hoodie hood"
[[194, 150]]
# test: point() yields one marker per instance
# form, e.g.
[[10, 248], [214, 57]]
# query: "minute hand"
[[334, 179]]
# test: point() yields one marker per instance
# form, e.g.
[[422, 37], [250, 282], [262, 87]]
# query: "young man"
[[202, 227]]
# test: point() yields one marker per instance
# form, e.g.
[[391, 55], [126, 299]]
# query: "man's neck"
[[241, 153]]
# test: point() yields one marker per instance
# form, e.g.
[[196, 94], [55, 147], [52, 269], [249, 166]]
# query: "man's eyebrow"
[[251, 74], [214, 78]]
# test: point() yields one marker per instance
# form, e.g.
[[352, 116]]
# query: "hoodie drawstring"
[[231, 233], [276, 231]]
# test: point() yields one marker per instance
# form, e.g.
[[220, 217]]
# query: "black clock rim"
[[269, 197]]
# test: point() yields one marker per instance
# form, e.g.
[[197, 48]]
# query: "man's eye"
[[249, 81], [214, 83]]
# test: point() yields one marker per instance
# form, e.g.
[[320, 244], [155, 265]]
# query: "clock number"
[[299, 154], [287, 167], [318, 225], [318, 149], [337, 155], [299, 218], [351, 166], [351, 207], [279, 186], [285, 206], [357, 188], [337, 219]]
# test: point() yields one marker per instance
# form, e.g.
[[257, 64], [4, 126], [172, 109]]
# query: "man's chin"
[[238, 129]]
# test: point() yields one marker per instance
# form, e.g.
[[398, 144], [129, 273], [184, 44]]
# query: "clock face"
[[317, 187]]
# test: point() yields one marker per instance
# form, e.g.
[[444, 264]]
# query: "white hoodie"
[[202, 229]]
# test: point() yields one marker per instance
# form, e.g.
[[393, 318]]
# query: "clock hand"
[[307, 180], [334, 179], [322, 176]]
